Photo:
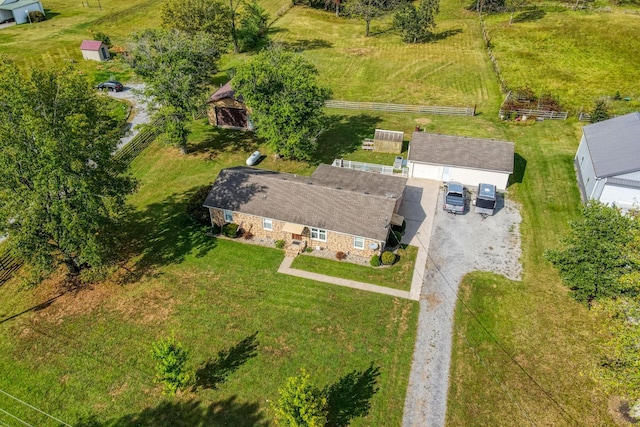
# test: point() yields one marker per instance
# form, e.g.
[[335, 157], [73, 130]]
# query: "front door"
[[296, 236]]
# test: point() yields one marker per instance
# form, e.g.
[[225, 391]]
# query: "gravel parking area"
[[459, 245]]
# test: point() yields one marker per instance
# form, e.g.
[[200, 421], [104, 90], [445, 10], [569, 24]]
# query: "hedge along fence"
[[402, 108]]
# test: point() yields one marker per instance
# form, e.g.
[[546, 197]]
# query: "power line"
[[34, 408], [16, 418], [482, 361], [503, 348]]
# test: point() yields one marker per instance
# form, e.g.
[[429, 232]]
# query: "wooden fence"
[[139, 142], [8, 265], [545, 114], [402, 108]]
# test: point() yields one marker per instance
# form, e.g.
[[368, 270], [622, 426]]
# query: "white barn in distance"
[[608, 162]]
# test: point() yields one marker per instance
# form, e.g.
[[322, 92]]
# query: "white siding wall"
[[468, 177], [583, 158], [473, 177], [93, 55], [623, 197]]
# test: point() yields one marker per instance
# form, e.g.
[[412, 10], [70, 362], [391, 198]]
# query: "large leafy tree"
[[368, 10], [592, 260], [177, 68], [285, 98], [415, 25], [61, 190], [229, 22]]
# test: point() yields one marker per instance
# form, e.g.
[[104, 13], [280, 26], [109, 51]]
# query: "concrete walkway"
[[418, 208], [285, 268]]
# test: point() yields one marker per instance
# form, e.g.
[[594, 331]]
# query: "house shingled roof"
[[90, 45], [312, 201], [614, 145], [460, 151], [225, 91]]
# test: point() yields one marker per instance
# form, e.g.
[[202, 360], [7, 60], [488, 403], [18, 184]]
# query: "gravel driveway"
[[140, 112], [459, 245]]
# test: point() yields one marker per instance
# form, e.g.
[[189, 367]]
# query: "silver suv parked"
[[454, 197]]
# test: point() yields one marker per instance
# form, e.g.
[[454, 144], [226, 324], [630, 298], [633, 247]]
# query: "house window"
[[267, 224], [358, 242], [228, 216], [319, 234]]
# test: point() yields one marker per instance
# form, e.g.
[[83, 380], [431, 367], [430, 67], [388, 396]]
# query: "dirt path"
[[140, 113]]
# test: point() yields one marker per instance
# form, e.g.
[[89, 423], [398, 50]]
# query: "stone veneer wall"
[[335, 241]]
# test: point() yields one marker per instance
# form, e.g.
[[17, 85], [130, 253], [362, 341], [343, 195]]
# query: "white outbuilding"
[[462, 159], [608, 161], [94, 50]]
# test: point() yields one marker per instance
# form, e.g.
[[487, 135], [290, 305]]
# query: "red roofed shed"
[[94, 50]]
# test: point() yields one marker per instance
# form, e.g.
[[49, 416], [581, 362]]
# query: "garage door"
[[231, 117], [426, 171]]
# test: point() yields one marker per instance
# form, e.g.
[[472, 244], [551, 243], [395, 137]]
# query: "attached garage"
[[466, 160]]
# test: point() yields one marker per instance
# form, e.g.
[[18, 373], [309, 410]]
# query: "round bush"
[[388, 257], [280, 244], [36, 16], [230, 230], [375, 261], [198, 213]]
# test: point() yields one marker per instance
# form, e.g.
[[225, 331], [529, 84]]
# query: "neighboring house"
[[337, 209], [226, 110], [469, 161], [18, 10], [608, 161], [94, 50]]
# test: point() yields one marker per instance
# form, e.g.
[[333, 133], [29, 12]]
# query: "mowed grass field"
[[84, 356], [577, 56], [527, 363], [452, 71]]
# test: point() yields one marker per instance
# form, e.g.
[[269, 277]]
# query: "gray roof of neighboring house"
[[225, 91], [461, 151], [17, 4], [614, 145], [309, 201]]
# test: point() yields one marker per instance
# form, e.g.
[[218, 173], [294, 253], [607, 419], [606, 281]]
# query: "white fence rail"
[[402, 108], [370, 167]]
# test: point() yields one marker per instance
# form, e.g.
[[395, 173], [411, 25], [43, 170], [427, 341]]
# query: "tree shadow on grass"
[[350, 397], [442, 35], [215, 371], [217, 140], [163, 234], [529, 15], [307, 44], [344, 136], [191, 413]]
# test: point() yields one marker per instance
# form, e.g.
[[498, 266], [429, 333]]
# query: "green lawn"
[[86, 355], [398, 276], [578, 56], [453, 71]]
